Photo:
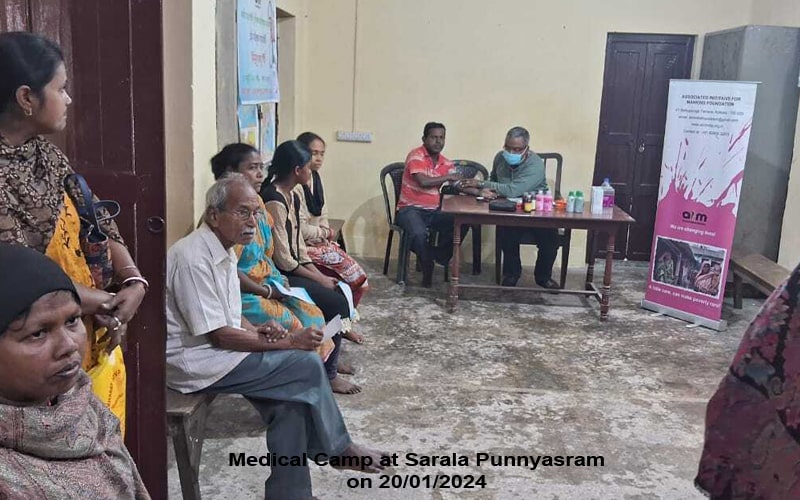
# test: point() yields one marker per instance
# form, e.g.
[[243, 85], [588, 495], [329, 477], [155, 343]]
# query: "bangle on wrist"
[[135, 279], [269, 291]]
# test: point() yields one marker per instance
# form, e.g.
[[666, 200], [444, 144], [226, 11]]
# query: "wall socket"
[[353, 136]]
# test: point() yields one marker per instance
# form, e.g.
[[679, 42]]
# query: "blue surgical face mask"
[[513, 159]]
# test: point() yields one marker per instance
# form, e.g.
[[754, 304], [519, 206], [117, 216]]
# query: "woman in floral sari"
[[752, 439], [261, 299], [326, 254]]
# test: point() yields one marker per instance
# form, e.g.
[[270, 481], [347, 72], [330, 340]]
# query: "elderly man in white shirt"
[[211, 347]]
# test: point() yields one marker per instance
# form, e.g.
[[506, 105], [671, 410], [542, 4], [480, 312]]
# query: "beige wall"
[[786, 13], [190, 110], [480, 69], [177, 32]]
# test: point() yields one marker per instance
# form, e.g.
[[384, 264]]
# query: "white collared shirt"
[[202, 296]]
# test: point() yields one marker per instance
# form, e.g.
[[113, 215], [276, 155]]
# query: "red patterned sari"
[[752, 440]]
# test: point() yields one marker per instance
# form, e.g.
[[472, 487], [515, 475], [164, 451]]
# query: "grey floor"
[[537, 376]]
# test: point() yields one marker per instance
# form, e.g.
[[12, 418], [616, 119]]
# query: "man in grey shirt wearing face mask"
[[517, 170]]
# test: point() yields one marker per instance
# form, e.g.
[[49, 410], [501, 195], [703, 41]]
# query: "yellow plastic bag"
[[108, 382]]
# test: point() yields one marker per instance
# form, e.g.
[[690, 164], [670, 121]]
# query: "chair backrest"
[[559, 161], [470, 169], [395, 172]]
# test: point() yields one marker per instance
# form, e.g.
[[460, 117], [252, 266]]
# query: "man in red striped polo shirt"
[[426, 170]]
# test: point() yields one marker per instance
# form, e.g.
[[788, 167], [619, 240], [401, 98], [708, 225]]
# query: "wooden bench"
[[186, 421], [757, 270], [337, 225]]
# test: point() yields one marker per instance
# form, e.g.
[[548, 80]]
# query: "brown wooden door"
[[631, 133], [115, 137]]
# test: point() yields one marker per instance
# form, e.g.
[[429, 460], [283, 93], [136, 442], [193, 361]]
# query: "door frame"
[[688, 40], [135, 80]]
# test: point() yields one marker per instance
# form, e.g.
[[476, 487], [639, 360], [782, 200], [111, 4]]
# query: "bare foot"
[[360, 458], [342, 386], [345, 368], [354, 337]]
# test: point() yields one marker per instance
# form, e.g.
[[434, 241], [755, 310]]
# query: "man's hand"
[[272, 331], [455, 176], [489, 194], [306, 340], [470, 183]]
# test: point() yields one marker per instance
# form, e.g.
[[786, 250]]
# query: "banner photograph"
[[705, 148]]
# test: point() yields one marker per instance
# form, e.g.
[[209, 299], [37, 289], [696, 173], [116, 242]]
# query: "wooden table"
[[468, 210]]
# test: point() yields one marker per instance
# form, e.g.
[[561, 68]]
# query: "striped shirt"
[[412, 194]]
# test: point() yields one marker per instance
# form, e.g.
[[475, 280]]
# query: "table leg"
[[606, 290], [452, 299], [476, 249], [591, 252]]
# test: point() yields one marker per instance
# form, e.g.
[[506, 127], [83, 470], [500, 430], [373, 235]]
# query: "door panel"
[[115, 137], [665, 61], [119, 125], [619, 122], [14, 15], [631, 132]]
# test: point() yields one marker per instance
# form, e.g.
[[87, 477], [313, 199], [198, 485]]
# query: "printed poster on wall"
[[248, 125], [267, 130], [705, 148], [257, 30]]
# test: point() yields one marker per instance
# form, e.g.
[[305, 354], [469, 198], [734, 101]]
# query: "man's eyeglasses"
[[244, 214]]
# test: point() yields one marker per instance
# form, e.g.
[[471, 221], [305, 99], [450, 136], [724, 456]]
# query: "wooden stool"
[[764, 274], [186, 420]]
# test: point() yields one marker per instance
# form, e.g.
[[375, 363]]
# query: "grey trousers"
[[291, 391]]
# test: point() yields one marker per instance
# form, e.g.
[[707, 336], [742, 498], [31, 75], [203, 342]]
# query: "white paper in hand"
[[348, 293], [333, 327], [297, 292]]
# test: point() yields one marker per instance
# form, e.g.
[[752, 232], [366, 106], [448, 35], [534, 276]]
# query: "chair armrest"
[[336, 225]]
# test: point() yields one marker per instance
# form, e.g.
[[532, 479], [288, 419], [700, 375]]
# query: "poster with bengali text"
[[257, 51]]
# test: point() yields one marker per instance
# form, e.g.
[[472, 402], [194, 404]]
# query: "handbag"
[[94, 242], [109, 377], [503, 205]]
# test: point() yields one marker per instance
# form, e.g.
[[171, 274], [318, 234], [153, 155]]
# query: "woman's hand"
[[115, 331], [327, 281], [125, 303], [277, 294], [331, 234], [92, 299]]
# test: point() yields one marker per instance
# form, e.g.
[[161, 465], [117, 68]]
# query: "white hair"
[[217, 194]]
